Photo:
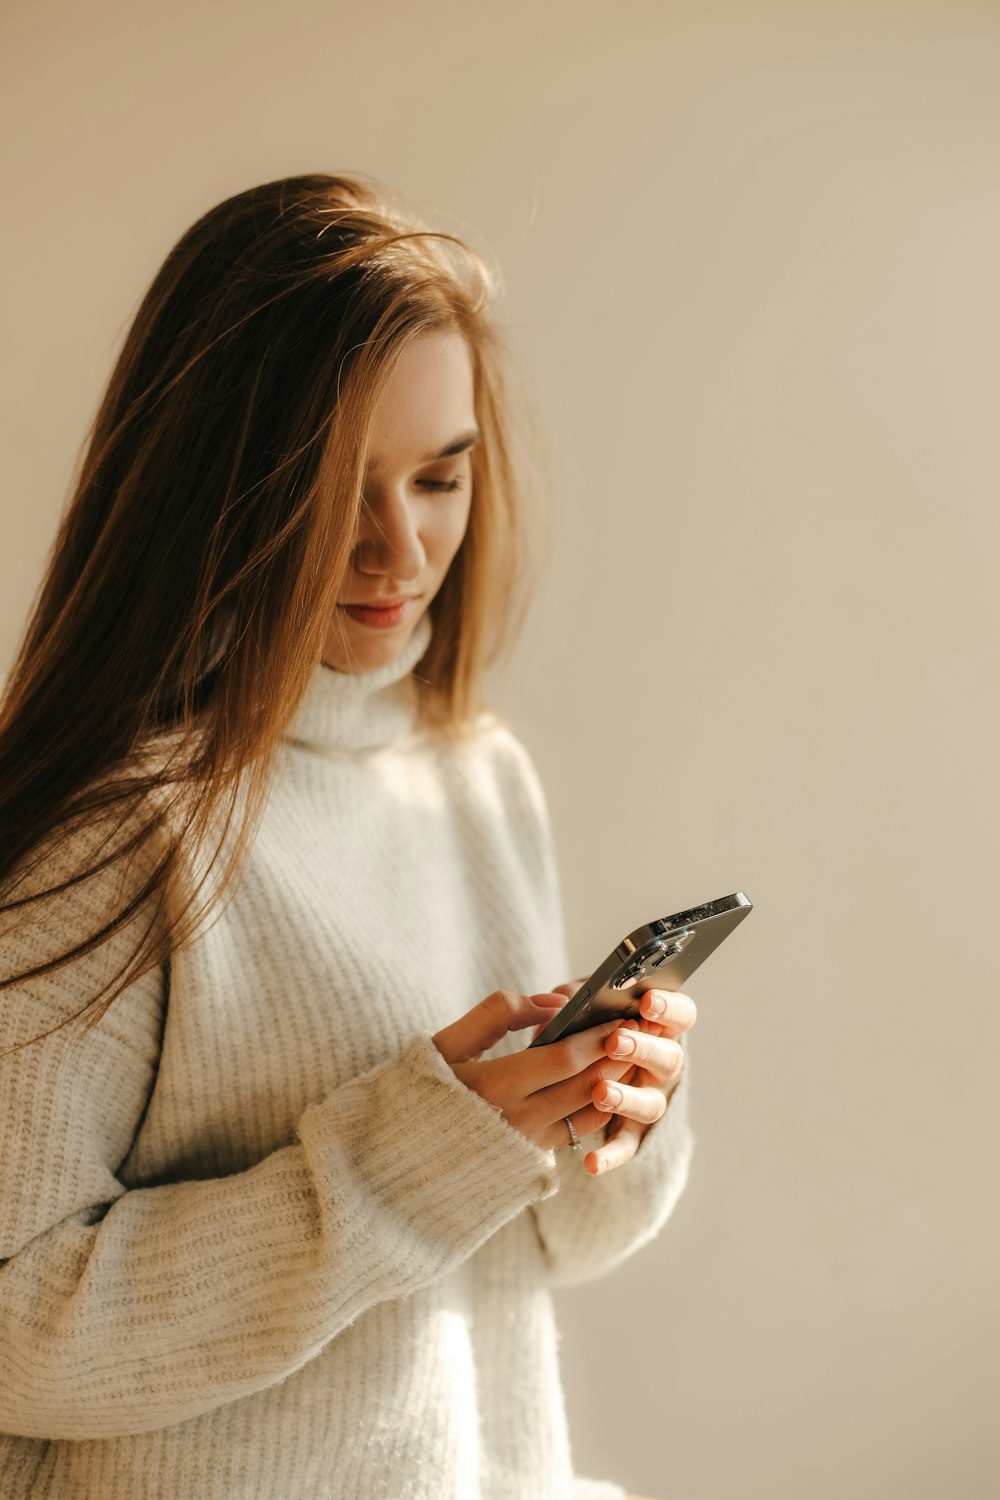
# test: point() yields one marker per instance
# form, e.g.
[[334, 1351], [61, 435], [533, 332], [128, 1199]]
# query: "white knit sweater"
[[257, 1241]]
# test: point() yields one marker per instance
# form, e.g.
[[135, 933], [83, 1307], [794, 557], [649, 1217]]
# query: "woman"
[[274, 1223]]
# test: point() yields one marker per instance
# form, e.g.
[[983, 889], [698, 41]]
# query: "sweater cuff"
[[471, 1129], [422, 1142]]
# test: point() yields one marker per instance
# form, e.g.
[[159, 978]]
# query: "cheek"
[[448, 530]]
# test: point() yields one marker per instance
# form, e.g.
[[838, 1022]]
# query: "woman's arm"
[[122, 1311], [591, 1224]]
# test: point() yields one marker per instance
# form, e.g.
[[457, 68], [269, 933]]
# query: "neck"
[[351, 711]]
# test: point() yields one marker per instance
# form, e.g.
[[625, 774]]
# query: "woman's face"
[[415, 506]]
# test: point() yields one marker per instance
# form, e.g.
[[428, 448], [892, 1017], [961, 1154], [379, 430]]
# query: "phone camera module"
[[673, 946]]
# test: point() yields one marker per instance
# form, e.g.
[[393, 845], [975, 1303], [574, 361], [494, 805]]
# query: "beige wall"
[[751, 255]]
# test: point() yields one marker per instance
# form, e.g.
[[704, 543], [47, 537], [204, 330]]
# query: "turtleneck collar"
[[347, 711]]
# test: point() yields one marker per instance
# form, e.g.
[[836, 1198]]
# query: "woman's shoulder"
[[490, 736], [496, 751]]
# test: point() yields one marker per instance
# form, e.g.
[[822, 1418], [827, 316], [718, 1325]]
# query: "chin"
[[365, 655]]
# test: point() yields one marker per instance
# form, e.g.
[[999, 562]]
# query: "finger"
[[661, 1056], [553, 1064], [619, 1146], [573, 1098], [485, 1024], [587, 1120], [569, 990], [645, 1104], [671, 1009], [617, 1127], [545, 1003], [583, 1120], [556, 994], [553, 1102], [630, 1022]]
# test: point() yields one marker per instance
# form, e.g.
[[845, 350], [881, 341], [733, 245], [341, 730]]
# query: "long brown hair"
[[208, 536]]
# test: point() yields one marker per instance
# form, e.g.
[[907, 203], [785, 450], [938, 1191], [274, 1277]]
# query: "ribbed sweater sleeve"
[[593, 1224], [122, 1311]]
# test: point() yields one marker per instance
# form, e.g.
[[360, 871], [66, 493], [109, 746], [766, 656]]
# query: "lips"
[[379, 603], [379, 617]]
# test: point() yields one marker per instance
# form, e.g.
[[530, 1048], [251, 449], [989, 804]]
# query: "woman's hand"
[[536, 1088], [640, 1095]]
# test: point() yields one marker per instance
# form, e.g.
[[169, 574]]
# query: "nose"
[[389, 540]]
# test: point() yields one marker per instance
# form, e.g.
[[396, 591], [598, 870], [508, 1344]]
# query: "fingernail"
[[624, 1046], [655, 1005], [611, 1098]]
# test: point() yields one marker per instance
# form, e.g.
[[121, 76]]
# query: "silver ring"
[[574, 1138]]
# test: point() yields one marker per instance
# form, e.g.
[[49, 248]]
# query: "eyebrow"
[[457, 445]]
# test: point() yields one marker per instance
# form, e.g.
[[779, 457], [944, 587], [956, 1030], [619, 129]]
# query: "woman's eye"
[[441, 484]]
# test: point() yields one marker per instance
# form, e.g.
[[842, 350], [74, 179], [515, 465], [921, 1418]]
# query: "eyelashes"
[[435, 486], [441, 484]]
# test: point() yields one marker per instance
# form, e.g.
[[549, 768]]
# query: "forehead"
[[428, 401]]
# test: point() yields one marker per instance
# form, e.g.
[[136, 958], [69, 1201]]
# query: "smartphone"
[[658, 956]]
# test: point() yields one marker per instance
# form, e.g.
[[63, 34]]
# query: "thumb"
[[569, 990], [483, 1026]]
